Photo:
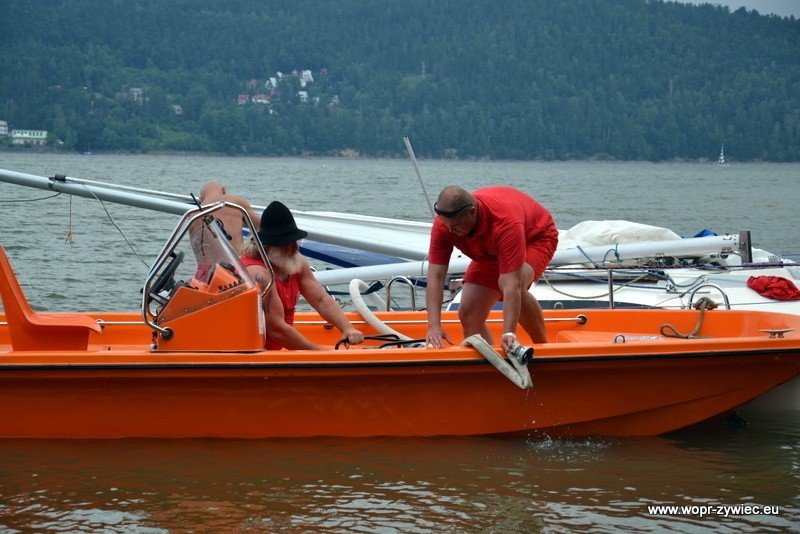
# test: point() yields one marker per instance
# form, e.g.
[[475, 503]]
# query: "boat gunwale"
[[366, 364]]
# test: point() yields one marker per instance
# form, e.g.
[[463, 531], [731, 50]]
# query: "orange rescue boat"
[[192, 365]]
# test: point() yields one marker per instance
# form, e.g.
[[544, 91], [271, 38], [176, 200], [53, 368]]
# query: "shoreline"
[[354, 155]]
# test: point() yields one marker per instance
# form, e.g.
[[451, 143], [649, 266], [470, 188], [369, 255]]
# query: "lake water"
[[387, 485], [112, 245]]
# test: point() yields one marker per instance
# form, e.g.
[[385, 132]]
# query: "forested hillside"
[[501, 79]]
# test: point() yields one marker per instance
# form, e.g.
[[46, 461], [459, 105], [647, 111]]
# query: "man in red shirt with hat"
[[511, 239], [279, 235]]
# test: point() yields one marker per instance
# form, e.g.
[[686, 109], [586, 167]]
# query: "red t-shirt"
[[508, 221], [288, 292]]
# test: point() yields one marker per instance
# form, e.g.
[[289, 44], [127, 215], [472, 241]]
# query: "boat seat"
[[31, 330]]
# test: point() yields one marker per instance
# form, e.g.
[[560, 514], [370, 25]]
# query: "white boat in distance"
[[721, 160]]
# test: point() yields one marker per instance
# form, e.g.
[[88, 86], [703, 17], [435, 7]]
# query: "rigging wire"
[[31, 289], [111, 219], [11, 201], [68, 237]]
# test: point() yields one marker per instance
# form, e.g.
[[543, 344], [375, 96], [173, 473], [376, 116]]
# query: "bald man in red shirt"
[[511, 239]]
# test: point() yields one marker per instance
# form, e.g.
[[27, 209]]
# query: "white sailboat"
[[721, 160]]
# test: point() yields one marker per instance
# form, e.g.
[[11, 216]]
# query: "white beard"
[[288, 264]]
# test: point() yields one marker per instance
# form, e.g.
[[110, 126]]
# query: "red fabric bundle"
[[774, 287]]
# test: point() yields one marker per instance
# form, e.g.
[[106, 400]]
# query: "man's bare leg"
[[476, 303], [531, 318]]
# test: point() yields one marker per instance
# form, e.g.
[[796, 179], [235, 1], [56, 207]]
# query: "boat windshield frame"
[[200, 215]]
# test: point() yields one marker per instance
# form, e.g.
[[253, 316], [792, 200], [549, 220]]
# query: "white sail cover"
[[588, 233]]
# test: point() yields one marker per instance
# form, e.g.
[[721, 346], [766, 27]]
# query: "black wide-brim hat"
[[277, 226]]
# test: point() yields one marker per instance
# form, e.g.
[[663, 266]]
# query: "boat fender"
[[517, 372]]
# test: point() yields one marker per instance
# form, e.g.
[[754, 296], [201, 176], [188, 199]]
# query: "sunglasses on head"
[[449, 214]]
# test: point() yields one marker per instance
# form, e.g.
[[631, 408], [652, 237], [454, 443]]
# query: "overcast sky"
[[783, 8]]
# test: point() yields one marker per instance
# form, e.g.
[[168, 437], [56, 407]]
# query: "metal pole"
[[419, 176], [62, 184], [611, 288], [151, 192]]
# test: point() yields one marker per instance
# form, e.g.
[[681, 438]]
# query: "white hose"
[[518, 374], [356, 287]]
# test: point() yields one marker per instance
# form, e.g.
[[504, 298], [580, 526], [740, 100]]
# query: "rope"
[[597, 265], [705, 303], [68, 238], [631, 284]]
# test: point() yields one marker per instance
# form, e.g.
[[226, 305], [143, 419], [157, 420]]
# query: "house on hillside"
[[137, 94], [306, 78], [29, 137], [261, 99], [333, 103], [3, 128], [242, 99]]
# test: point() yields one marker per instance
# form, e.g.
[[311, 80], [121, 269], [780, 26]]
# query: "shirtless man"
[[203, 242]]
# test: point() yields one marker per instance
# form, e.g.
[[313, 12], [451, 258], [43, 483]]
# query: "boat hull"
[[583, 384]]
